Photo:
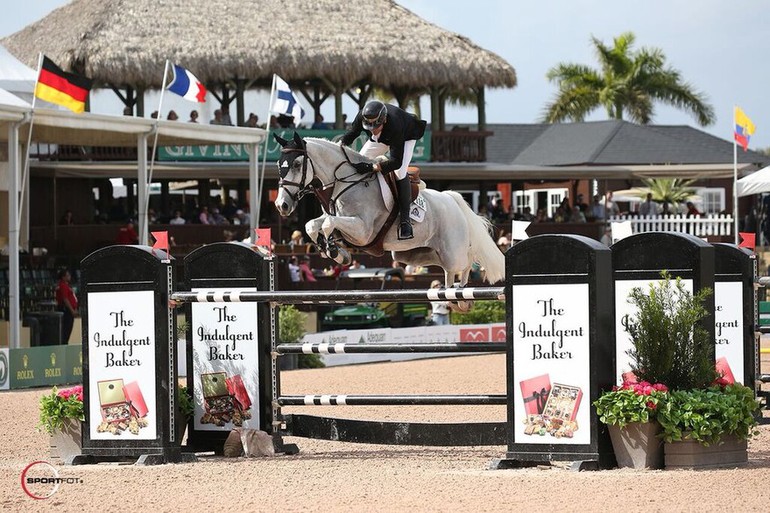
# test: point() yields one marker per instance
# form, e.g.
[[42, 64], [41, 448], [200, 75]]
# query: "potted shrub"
[[670, 346], [707, 427], [630, 413], [186, 410], [61, 415]]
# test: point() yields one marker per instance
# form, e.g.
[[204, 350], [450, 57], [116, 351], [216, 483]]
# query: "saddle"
[[375, 248]]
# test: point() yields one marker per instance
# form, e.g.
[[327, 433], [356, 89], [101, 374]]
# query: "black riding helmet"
[[374, 114]]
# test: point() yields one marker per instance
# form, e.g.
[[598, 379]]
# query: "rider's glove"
[[364, 167]]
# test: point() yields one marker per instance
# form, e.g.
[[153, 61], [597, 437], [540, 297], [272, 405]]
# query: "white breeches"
[[374, 149]]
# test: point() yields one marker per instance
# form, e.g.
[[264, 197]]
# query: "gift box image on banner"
[[551, 369], [121, 355], [225, 364]]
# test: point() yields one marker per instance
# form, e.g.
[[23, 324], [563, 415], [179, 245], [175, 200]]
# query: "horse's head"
[[294, 175]]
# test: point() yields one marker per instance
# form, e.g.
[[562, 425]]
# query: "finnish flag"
[[186, 85], [286, 102]]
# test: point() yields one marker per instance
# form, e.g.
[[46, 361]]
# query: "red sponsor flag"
[[263, 237], [161, 241], [66, 89], [748, 240]]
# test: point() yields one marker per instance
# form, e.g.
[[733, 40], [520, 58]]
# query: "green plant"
[[66, 403], [669, 344], [707, 415], [633, 402], [483, 312], [186, 403], [291, 329]]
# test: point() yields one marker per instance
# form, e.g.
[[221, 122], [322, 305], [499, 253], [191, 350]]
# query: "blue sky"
[[718, 46]]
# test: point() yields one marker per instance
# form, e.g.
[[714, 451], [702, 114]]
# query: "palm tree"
[[628, 84], [668, 190]]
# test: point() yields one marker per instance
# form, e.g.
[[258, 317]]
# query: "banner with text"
[[240, 152], [121, 358], [551, 364], [225, 364]]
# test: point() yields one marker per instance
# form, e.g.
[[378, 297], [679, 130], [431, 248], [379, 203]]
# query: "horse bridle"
[[324, 192]]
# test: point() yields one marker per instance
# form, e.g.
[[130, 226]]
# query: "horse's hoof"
[[346, 258], [332, 251], [462, 306]]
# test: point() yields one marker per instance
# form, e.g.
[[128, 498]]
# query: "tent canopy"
[[755, 183]]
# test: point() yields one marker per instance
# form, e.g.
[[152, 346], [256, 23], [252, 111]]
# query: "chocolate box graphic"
[[238, 390], [535, 392], [724, 370], [563, 402], [216, 394], [112, 401], [135, 398]]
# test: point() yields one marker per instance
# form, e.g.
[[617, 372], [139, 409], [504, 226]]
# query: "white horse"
[[451, 235]]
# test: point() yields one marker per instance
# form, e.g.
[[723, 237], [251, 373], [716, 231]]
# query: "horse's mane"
[[327, 144]]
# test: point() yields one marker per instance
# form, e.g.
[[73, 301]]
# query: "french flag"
[[187, 86]]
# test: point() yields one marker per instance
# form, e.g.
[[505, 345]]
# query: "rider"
[[389, 128]]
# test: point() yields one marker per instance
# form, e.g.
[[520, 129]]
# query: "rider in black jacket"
[[389, 128]]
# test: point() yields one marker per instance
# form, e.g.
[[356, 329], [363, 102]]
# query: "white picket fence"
[[710, 224]]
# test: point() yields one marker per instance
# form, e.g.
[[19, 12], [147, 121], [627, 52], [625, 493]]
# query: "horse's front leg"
[[353, 230], [313, 230]]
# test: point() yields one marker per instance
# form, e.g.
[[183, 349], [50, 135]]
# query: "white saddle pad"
[[418, 207]]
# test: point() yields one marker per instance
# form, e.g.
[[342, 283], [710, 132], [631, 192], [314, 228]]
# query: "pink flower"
[[660, 387], [66, 393], [651, 405], [615, 388]]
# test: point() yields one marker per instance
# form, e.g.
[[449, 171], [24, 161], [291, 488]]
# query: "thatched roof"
[[126, 42]]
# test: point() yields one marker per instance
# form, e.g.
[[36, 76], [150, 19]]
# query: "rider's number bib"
[[417, 209]]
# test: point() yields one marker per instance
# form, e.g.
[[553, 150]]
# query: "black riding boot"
[[404, 200]]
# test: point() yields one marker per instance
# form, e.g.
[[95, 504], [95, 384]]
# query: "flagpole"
[[735, 182], [143, 211], [255, 223], [25, 171]]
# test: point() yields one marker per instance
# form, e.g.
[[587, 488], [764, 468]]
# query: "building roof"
[[610, 143], [126, 42]]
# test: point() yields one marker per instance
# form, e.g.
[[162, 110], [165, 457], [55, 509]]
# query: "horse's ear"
[[280, 140], [298, 140]]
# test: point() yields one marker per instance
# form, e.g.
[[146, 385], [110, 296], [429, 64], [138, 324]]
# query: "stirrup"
[[405, 231]]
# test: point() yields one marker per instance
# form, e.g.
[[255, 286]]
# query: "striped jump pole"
[[334, 297], [390, 400], [357, 348]]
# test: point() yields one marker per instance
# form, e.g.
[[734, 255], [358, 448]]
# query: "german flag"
[[57, 86]]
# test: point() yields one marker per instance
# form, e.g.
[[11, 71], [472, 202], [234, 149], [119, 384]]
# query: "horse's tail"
[[483, 248]]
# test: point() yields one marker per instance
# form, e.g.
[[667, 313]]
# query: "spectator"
[[294, 272], [253, 120], [154, 114], [193, 116], [217, 118], [127, 234], [67, 219], [439, 309], [226, 116], [597, 208], [274, 125], [216, 218], [611, 208], [172, 116], [305, 271], [319, 123], [67, 303], [357, 265], [648, 207], [692, 211], [527, 215], [177, 219], [128, 111], [203, 217]]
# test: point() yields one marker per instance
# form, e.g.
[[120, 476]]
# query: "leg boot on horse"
[[404, 201]]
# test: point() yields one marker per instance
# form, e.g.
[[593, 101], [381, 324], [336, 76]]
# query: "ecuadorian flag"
[[744, 128], [66, 89]]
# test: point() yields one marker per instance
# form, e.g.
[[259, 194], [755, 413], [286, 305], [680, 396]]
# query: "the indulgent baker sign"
[[728, 329], [225, 364], [121, 356], [551, 364]]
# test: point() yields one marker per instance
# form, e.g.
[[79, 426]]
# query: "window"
[[712, 200]]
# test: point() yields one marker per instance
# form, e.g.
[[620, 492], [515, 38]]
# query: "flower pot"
[[637, 445], [66, 442], [729, 452]]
